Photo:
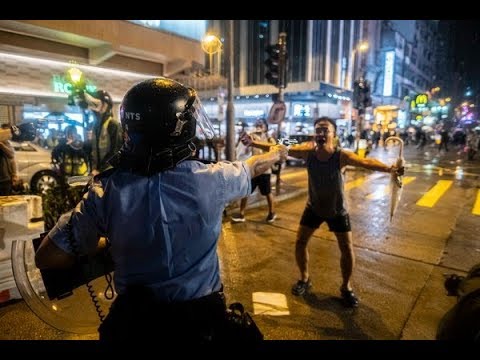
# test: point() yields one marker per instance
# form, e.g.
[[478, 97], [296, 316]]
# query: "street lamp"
[[362, 47], [75, 77], [212, 45]]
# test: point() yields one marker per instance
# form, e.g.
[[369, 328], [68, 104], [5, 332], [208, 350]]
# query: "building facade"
[[320, 72], [112, 54], [407, 66]]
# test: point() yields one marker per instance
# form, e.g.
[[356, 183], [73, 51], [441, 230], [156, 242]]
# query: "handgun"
[[287, 142]]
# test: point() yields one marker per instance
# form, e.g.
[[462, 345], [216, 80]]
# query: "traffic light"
[[357, 94], [273, 64], [362, 94]]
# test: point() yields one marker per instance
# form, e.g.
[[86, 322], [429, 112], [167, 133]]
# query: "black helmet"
[[103, 96], [160, 118], [93, 100]]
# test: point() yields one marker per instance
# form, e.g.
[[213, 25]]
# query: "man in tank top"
[[326, 202]]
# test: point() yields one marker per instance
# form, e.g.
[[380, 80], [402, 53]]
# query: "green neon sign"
[[60, 85]]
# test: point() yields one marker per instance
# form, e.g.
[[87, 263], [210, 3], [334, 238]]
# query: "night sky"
[[467, 51]]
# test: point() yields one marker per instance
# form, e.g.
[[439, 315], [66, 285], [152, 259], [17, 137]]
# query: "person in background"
[[52, 139], [8, 166], [259, 139], [70, 155], [161, 211], [444, 138], [327, 203], [106, 138]]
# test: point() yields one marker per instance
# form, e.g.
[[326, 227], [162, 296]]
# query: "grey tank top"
[[325, 186]]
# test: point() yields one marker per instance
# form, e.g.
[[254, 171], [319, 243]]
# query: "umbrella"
[[396, 181]]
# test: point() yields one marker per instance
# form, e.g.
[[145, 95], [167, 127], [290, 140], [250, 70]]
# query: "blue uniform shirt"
[[163, 229]]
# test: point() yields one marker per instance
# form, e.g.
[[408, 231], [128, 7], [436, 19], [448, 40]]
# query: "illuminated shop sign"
[[61, 85], [193, 29], [388, 78], [421, 100], [301, 110], [253, 113]]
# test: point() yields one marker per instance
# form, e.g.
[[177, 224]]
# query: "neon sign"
[[60, 85]]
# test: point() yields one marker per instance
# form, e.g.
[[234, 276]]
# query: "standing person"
[[107, 134], [70, 155], [472, 144], [259, 139], [52, 139], [326, 202], [8, 166], [444, 138], [161, 211]]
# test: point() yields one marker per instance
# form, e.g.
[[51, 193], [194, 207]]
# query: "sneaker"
[[349, 298], [236, 218], [271, 217], [301, 287]]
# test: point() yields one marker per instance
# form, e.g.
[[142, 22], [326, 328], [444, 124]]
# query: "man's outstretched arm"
[[301, 151], [350, 158]]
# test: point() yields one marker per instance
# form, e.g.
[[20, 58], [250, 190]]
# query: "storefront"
[[299, 115], [35, 89]]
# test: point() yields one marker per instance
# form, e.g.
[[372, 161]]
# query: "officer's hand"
[[24, 132], [282, 150]]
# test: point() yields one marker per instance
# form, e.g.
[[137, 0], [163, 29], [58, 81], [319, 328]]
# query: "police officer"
[[161, 211], [106, 138]]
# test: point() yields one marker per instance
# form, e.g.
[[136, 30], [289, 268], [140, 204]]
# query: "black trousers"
[[137, 316]]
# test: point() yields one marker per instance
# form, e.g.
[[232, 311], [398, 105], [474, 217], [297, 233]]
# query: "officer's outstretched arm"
[[258, 164]]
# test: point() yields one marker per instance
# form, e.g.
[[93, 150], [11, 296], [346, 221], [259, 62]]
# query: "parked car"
[[35, 166]]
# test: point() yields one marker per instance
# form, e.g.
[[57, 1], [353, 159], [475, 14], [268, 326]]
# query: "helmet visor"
[[203, 122]]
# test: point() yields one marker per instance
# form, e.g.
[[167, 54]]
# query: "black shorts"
[[340, 223], [263, 183]]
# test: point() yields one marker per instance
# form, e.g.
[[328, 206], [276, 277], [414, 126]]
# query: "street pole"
[[282, 79], [360, 115], [230, 115]]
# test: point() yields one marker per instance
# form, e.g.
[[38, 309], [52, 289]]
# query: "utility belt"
[[135, 313]]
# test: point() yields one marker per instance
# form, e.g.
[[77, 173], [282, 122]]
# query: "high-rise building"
[[323, 61]]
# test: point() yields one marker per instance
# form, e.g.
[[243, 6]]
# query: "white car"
[[35, 166]]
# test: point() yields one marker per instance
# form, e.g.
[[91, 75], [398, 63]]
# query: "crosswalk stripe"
[[360, 181], [430, 198], [384, 189], [476, 207]]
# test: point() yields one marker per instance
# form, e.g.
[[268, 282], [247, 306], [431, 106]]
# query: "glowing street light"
[[75, 77], [362, 47], [212, 45]]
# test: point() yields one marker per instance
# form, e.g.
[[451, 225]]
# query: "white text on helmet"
[[132, 116]]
